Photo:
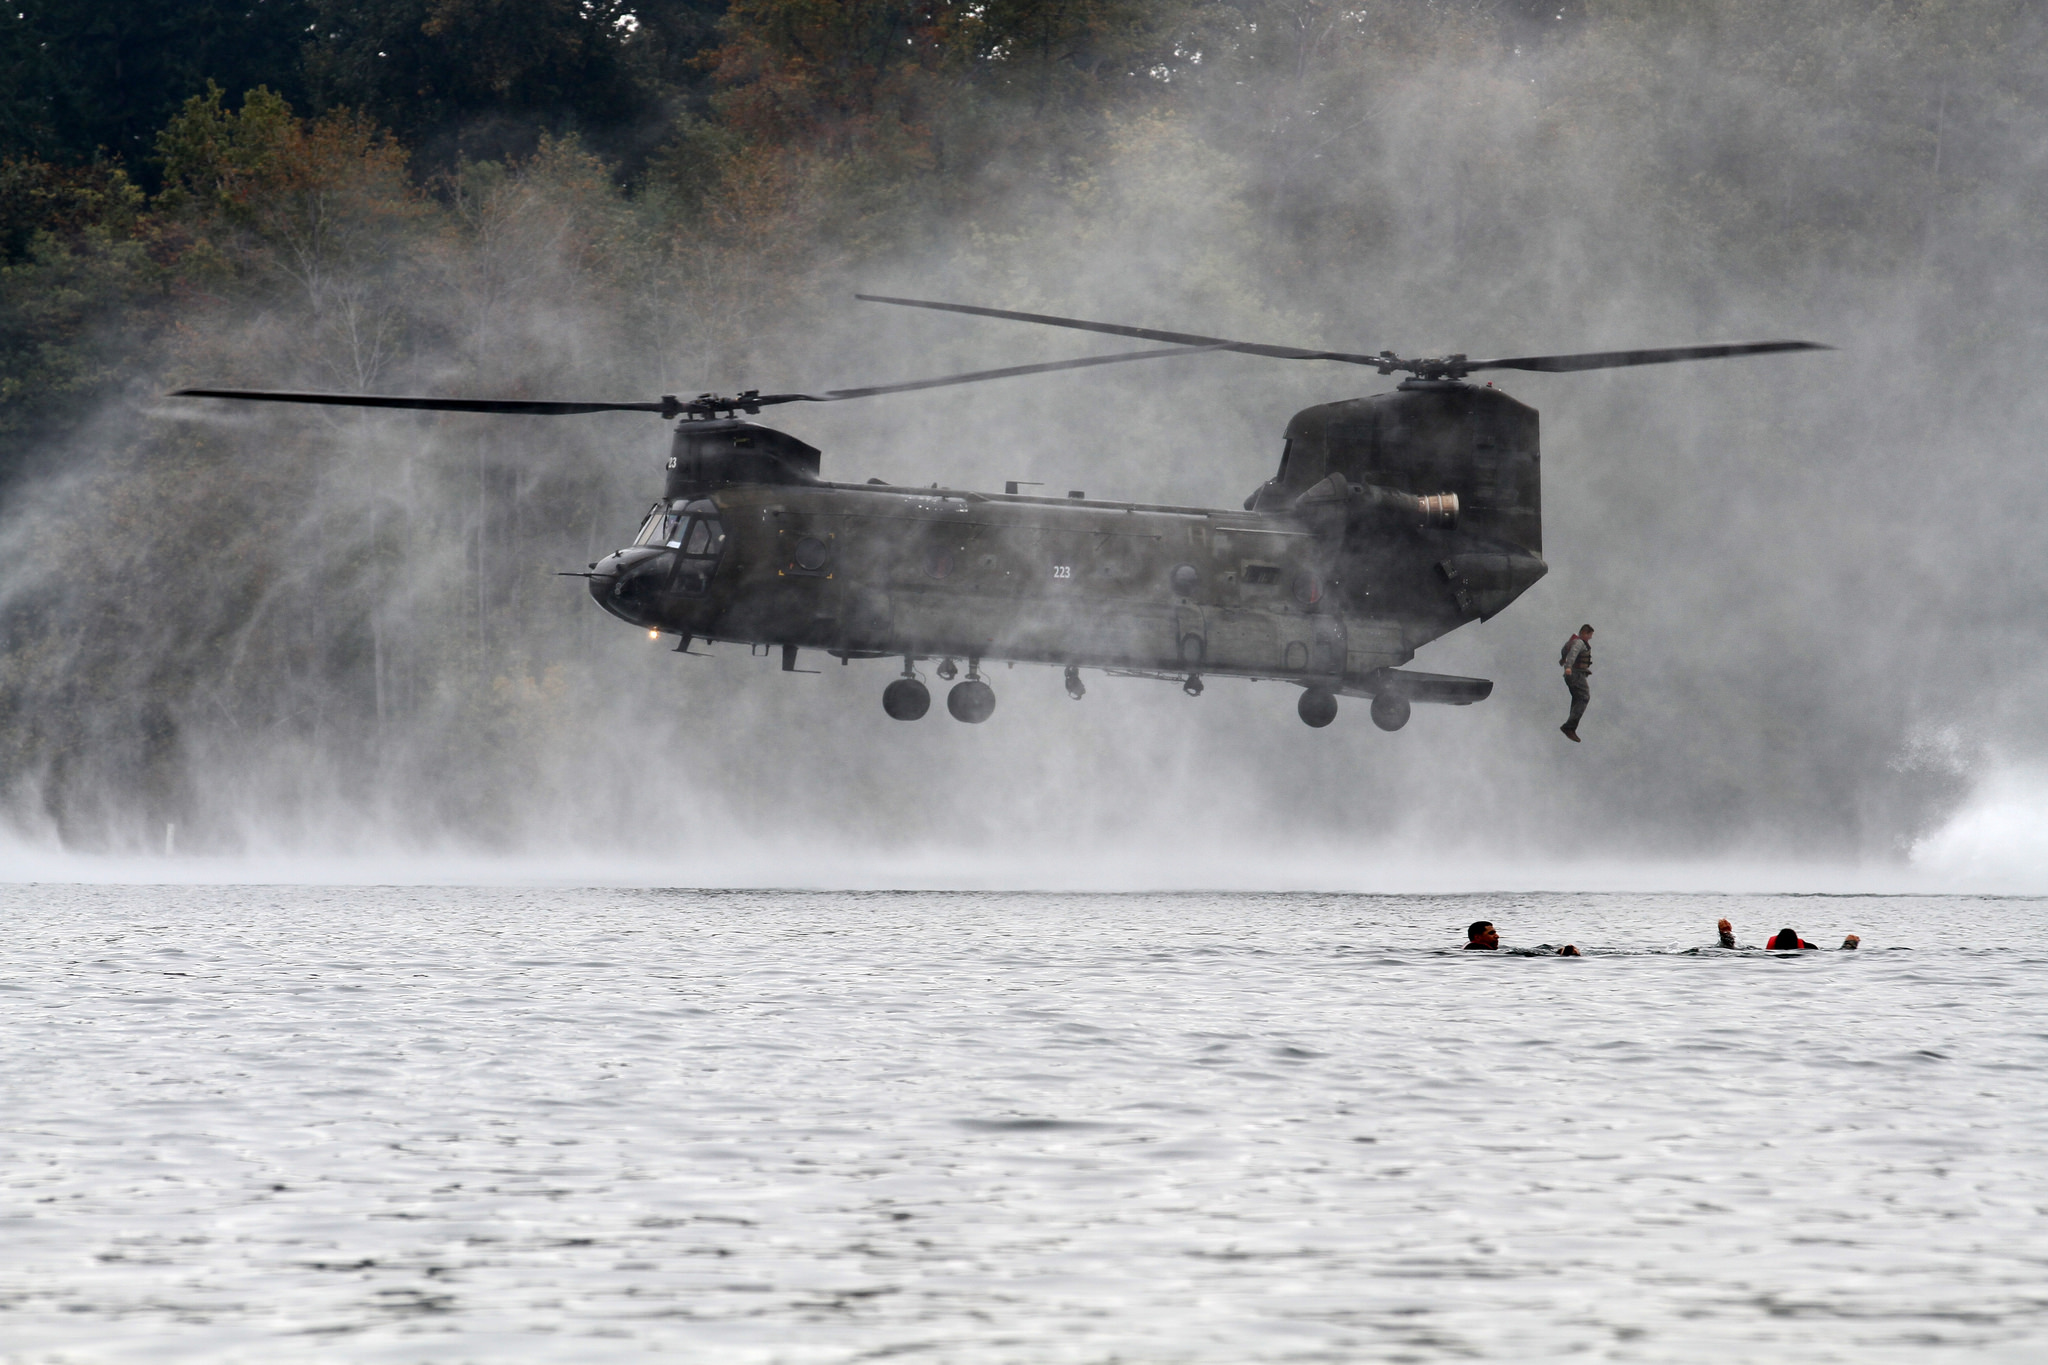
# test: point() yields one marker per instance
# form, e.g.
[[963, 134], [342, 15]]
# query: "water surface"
[[264, 1124]]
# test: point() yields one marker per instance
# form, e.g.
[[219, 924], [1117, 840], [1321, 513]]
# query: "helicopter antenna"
[[1386, 362]]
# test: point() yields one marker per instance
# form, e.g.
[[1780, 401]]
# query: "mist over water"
[[1815, 578]]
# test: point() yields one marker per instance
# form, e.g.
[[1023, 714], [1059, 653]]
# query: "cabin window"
[[810, 555], [1262, 575], [699, 537]]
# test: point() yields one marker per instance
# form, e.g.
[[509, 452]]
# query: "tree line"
[[563, 198]]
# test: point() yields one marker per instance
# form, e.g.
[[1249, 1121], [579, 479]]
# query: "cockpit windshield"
[[660, 527], [693, 528]]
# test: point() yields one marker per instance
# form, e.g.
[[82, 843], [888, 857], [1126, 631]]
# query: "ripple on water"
[[260, 1124]]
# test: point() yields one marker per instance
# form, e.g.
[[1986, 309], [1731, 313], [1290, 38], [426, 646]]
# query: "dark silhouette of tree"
[[486, 79], [78, 81]]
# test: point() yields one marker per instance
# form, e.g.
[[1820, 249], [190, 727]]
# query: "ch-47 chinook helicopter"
[[1392, 519]]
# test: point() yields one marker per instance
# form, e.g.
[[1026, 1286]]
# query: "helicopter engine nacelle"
[[1339, 506], [1426, 511]]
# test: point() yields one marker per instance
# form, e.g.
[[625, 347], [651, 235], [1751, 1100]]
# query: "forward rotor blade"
[[529, 407], [1613, 360], [976, 376], [1140, 333], [705, 405]]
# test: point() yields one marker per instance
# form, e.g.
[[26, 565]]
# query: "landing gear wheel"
[[1389, 712], [1075, 688], [1318, 706], [973, 701], [906, 699], [1192, 685]]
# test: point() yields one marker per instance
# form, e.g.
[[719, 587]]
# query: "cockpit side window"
[[1286, 449], [700, 545]]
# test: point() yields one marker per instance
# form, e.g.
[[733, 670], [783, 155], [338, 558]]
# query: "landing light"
[[654, 635]]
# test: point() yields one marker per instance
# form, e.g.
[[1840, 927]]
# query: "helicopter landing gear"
[[1193, 685], [973, 700], [948, 670], [1389, 712], [1318, 706], [906, 698], [1075, 688]]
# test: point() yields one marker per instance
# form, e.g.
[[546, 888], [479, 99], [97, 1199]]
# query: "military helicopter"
[[1393, 519]]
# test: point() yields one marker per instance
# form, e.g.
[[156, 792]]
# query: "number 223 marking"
[[1062, 571]]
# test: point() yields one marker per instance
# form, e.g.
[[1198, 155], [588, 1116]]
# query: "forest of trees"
[[141, 144], [619, 198]]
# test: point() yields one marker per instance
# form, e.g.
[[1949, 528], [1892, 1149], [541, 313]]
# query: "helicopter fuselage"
[[1333, 586]]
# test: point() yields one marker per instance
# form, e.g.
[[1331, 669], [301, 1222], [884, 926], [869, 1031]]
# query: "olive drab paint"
[[1392, 520]]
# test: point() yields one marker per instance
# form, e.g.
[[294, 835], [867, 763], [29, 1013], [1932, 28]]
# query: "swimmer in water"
[[1481, 935], [1787, 938], [1849, 943], [1727, 934]]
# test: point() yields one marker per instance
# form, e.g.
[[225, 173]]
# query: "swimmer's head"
[[1850, 942], [1481, 934], [1785, 938], [1569, 951], [1727, 934]]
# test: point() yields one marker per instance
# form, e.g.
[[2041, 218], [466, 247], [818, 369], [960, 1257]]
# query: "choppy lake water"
[[272, 1124]]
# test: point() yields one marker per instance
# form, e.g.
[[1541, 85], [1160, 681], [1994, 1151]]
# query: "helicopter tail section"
[[1483, 582], [1426, 440]]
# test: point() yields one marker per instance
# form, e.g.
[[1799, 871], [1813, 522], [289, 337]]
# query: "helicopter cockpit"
[[693, 535]]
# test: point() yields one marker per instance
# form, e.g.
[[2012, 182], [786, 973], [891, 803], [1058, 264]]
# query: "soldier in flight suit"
[[1577, 659]]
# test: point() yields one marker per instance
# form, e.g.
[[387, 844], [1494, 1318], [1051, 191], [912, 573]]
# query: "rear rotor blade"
[[1612, 360], [1445, 367], [1140, 333]]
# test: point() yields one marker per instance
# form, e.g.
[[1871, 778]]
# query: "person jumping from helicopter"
[[1577, 661]]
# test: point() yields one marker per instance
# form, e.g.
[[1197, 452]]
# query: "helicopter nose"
[[603, 575], [628, 580]]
